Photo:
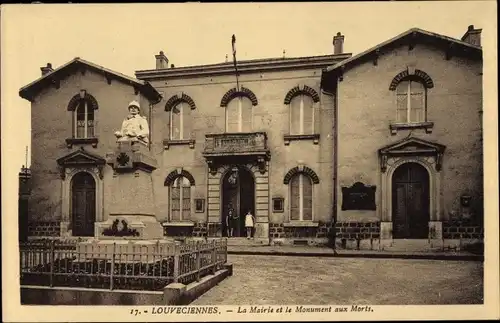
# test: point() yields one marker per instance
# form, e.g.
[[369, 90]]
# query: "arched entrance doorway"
[[83, 204], [238, 194], [410, 202]]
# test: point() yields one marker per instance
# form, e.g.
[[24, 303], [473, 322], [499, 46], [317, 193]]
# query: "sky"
[[126, 37]]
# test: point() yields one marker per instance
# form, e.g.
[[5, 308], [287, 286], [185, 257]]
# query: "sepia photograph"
[[252, 161]]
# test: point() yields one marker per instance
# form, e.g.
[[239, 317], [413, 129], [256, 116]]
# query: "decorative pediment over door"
[[81, 159], [412, 147]]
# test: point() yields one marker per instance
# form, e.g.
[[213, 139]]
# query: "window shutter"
[[295, 198], [186, 199], [90, 121], [416, 102], [232, 116], [175, 130], [246, 114], [402, 102], [307, 198], [80, 120], [295, 115], [187, 121], [308, 106], [175, 201]]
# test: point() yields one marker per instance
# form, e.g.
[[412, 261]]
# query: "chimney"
[[472, 36], [161, 61], [46, 69], [338, 44]]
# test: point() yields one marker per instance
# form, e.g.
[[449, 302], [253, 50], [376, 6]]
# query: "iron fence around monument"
[[123, 266]]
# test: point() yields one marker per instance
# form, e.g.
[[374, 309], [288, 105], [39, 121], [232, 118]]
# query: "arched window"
[[84, 120], [301, 115], [180, 199], [180, 121], [239, 115], [301, 199], [411, 101], [82, 106]]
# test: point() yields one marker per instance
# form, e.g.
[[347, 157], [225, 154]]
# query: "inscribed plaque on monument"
[[358, 197]]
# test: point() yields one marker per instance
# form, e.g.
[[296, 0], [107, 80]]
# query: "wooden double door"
[[83, 204], [410, 202]]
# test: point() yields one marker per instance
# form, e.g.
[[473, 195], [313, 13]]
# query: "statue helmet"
[[134, 103]]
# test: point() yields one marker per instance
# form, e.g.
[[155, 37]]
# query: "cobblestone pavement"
[[314, 280]]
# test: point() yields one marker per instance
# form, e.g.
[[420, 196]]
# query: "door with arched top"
[[410, 202], [83, 204]]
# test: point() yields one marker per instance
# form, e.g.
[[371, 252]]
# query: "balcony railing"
[[236, 143]]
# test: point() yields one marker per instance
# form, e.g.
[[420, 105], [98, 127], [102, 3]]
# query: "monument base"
[[133, 227]]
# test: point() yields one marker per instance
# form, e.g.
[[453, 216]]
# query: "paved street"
[[315, 280]]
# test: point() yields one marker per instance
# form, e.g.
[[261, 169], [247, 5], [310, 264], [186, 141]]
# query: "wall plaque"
[[358, 197]]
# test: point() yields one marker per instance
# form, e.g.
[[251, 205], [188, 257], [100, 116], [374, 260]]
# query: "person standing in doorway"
[[230, 221], [249, 223]]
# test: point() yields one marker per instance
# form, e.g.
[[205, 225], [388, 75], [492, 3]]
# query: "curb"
[[362, 255]]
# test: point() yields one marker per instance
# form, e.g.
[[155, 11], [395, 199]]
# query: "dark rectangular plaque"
[[358, 197], [199, 205]]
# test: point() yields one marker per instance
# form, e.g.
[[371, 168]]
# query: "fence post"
[[198, 260], [52, 259], [214, 257], [176, 263], [111, 283]]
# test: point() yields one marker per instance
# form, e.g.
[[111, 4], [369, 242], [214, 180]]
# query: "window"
[[239, 115], [302, 115], [410, 97], [179, 121], [180, 199], [83, 120], [278, 204], [301, 198]]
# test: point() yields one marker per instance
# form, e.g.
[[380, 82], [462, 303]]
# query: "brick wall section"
[[344, 230], [199, 229], [462, 230], [44, 229]]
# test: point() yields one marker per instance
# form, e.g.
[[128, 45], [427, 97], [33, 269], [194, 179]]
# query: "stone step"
[[411, 245], [246, 242]]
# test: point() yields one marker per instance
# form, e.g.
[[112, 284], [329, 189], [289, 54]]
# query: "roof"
[[29, 91], [244, 66], [458, 46]]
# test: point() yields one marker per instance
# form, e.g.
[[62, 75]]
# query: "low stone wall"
[[44, 229], [357, 230], [173, 294], [343, 230], [462, 230]]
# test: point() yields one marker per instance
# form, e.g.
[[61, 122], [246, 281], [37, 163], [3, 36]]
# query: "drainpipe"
[[335, 151]]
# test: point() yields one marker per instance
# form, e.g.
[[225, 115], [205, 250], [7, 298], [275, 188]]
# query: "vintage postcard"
[[251, 161]]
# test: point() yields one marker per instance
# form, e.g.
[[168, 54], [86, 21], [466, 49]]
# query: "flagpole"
[[234, 61]]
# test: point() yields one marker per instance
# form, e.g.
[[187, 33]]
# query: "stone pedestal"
[[385, 230], [132, 208]]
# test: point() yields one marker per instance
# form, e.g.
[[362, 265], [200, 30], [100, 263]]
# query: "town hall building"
[[383, 145]]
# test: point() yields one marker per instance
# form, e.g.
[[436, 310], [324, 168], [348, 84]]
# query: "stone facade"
[[350, 153], [372, 144]]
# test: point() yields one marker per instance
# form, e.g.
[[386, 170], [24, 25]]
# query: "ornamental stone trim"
[[176, 99], [177, 173], [301, 90], [233, 93], [426, 79], [301, 169], [73, 103]]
